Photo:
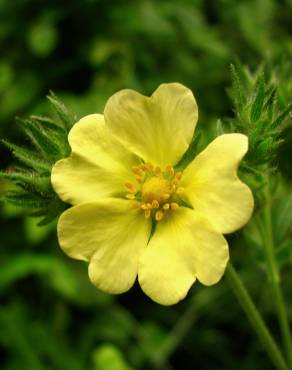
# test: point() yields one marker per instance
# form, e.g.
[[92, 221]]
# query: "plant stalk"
[[268, 240], [255, 318]]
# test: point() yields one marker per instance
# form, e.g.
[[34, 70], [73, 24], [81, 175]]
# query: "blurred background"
[[51, 318]]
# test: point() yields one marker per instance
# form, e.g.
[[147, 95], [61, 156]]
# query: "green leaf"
[[189, 154], [41, 139], [258, 103], [109, 357], [66, 117], [41, 184], [282, 116], [237, 87], [28, 157]]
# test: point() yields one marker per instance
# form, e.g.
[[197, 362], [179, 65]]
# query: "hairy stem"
[[255, 318], [268, 241]]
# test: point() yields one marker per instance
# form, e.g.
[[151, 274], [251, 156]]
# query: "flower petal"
[[184, 247], [213, 188], [157, 129], [109, 234], [98, 167]]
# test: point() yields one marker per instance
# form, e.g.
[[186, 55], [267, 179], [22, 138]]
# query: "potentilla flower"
[[133, 213]]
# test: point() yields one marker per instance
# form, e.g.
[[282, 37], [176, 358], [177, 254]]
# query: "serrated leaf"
[[28, 157], [39, 183], [42, 140], [66, 117], [281, 117], [26, 200], [237, 87], [257, 106], [48, 122]]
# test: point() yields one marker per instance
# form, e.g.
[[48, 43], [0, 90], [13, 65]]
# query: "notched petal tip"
[[146, 125]]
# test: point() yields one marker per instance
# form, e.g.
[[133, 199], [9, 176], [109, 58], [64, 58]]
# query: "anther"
[[155, 204], [159, 215], [149, 205], [165, 196], [180, 190], [140, 179], [137, 171], [129, 185], [157, 169], [178, 176], [144, 206], [147, 213], [170, 170], [174, 206], [166, 206], [145, 167]]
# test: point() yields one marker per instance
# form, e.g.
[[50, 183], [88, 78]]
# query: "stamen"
[[140, 179], [174, 206], [170, 170], [180, 190], [137, 171], [150, 167], [129, 185], [156, 191], [159, 215], [147, 213], [173, 188], [165, 196]]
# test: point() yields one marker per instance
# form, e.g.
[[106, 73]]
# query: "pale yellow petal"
[[213, 188], [157, 129], [98, 167], [184, 247], [109, 234]]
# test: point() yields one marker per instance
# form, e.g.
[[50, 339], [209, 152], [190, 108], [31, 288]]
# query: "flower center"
[[156, 192], [154, 188]]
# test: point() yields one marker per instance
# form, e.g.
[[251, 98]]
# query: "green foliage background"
[[85, 50]]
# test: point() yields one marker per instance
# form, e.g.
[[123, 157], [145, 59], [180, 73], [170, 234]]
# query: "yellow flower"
[[133, 213]]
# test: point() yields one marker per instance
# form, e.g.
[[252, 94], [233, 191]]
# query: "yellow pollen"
[[137, 171], [159, 215], [155, 204], [129, 185], [165, 196], [147, 213], [174, 206], [150, 167], [140, 179], [157, 191], [154, 188], [180, 190]]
